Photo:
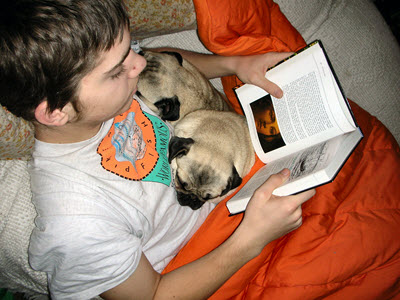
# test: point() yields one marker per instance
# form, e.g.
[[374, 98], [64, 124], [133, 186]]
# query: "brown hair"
[[48, 46]]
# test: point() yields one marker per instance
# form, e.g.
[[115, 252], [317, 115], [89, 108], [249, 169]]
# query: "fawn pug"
[[210, 154]]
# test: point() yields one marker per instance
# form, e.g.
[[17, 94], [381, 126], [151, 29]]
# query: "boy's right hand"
[[268, 217]]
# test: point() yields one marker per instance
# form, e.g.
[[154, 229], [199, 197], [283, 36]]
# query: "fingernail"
[[285, 172], [278, 94]]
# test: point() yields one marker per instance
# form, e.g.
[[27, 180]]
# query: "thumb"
[[274, 181], [270, 87]]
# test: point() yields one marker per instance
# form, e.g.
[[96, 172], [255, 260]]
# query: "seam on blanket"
[[305, 214], [353, 281]]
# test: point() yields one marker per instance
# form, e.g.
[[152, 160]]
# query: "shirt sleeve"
[[84, 255]]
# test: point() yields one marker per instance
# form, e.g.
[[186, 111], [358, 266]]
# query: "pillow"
[[16, 136], [157, 17], [17, 215], [307, 16]]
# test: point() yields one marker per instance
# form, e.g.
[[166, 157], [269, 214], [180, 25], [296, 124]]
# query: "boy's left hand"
[[251, 69]]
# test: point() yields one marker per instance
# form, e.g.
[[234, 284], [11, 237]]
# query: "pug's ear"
[[236, 180], [169, 108], [233, 182], [176, 54], [179, 146]]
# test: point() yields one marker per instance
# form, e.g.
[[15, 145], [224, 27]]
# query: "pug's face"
[[199, 174]]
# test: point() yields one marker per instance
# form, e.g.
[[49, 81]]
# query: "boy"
[[108, 220]]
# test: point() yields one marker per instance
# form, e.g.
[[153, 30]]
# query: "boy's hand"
[[252, 69], [268, 217], [249, 69]]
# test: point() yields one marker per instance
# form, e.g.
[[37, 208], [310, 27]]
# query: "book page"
[[300, 164], [310, 168], [310, 111], [347, 114], [307, 173]]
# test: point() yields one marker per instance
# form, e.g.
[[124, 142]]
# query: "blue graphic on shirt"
[[128, 140], [131, 145]]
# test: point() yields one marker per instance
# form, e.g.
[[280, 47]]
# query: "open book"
[[311, 130]]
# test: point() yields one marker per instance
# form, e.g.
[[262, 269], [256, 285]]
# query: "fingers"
[[304, 196], [294, 213], [298, 223]]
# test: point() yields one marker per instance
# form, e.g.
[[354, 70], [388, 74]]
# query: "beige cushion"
[[17, 214]]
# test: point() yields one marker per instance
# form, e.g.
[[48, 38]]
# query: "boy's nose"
[[138, 64]]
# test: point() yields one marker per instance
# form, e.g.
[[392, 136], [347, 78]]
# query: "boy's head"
[[48, 46]]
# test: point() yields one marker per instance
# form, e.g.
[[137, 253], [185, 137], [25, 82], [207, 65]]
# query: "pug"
[[210, 154], [173, 87]]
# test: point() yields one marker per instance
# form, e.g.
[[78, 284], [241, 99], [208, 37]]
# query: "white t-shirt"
[[104, 201]]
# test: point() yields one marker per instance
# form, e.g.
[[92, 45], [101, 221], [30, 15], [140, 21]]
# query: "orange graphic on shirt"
[[129, 148]]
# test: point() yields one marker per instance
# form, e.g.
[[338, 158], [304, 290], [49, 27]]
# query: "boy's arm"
[[266, 218], [249, 69]]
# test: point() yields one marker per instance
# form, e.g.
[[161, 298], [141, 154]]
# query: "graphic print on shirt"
[[136, 146]]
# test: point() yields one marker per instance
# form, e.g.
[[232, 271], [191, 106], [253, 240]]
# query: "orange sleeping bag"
[[349, 244]]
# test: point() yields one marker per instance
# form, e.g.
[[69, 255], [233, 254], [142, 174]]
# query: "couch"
[[364, 54]]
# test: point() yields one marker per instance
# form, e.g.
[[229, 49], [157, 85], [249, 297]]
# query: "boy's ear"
[[58, 117]]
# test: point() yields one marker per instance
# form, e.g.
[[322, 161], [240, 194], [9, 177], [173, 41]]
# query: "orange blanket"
[[349, 244]]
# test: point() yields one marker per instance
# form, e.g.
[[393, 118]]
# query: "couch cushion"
[[158, 17], [16, 136]]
